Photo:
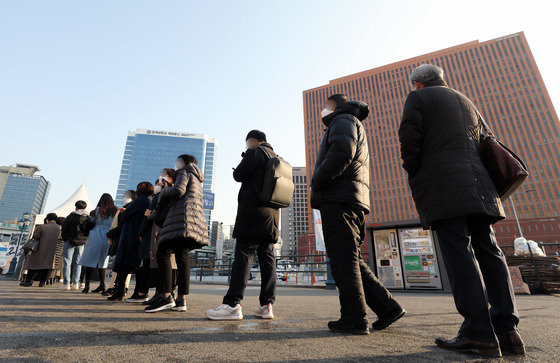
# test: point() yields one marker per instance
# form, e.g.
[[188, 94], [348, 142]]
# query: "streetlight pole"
[[515, 214], [23, 224]]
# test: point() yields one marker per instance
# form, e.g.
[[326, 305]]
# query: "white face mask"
[[179, 165], [157, 189], [326, 112], [127, 200]]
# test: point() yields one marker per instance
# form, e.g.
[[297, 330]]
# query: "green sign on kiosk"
[[412, 263]]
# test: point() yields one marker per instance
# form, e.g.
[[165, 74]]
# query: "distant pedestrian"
[[40, 263], [75, 236], [184, 229], [96, 249], [127, 259], [113, 237], [150, 230]]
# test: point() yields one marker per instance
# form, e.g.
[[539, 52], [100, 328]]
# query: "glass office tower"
[[23, 193]]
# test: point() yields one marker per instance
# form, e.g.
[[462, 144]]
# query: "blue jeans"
[[71, 255]]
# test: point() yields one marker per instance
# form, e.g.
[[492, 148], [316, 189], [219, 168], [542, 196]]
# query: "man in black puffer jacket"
[[255, 231], [340, 190], [440, 141]]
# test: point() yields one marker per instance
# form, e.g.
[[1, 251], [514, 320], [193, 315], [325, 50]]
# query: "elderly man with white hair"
[[454, 195]]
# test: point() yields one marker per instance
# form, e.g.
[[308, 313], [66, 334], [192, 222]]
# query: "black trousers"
[[241, 269], [479, 276], [344, 233], [120, 280], [40, 274], [89, 272], [156, 277], [163, 257], [143, 278]]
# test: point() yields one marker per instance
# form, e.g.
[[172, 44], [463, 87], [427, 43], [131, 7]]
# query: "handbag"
[[31, 245], [507, 171], [162, 210]]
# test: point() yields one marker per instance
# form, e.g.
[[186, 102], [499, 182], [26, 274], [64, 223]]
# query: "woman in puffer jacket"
[[184, 229]]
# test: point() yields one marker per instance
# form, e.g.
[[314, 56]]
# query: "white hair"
[[425, 73]]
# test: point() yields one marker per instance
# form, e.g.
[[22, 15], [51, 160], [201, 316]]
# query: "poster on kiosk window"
[[419, 260], [387, 258]]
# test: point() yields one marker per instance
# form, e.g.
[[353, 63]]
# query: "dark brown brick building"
[[501, 77]]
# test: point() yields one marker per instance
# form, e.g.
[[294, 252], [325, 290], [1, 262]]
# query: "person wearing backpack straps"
[[256, 232], [74, 240]]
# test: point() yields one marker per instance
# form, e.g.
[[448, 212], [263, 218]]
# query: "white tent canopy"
[[68, 206]]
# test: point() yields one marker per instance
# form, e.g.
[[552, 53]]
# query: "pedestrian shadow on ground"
[[214, 334], [431, 354]]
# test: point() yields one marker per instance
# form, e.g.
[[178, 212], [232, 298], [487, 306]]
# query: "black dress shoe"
[[388, 319], [41, 284], [117, 296], [108, 292], [511, 342], [465, 345], [339, 326], [100, 289]]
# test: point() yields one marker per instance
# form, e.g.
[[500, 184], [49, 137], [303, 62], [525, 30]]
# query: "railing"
[[292, 269]]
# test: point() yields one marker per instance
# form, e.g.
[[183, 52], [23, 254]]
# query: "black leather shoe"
[[100, 289], [511, 342], [116, 296], [465, 345], [108, 292], [388, 319], [339, 326]]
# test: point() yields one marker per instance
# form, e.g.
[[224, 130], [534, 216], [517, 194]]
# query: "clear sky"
[[76, 76]]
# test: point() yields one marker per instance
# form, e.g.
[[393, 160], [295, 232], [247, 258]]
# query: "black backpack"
[[278, 187], [76, 228]]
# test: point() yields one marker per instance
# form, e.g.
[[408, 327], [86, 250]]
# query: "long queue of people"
[[150, 236], [439, 134]]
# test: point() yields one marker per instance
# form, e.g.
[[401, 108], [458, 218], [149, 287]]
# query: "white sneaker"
[[76, 287], [65, 287], [225, 312], [82, 286], [265, 312]]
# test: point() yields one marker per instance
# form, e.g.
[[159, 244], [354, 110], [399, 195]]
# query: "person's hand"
[[109, 241], [147, 213], [121, 209]]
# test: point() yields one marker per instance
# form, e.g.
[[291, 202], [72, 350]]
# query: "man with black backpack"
[[74, 233], [256, 225]]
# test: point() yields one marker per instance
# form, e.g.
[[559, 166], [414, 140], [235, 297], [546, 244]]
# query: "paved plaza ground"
[[48, 324]]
